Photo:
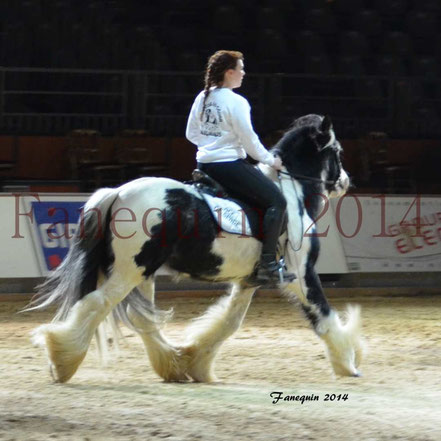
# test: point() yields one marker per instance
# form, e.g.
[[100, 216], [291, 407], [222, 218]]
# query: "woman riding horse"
[[219, 124]]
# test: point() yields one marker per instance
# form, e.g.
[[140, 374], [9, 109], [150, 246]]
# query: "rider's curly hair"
[[217, 65]]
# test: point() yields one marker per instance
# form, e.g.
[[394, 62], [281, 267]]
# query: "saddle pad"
[[229, 215]]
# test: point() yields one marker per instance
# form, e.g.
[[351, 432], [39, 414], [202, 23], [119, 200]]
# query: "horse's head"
[[311, 153]]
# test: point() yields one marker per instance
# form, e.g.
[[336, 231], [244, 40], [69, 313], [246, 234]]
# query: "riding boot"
[[269, 269]]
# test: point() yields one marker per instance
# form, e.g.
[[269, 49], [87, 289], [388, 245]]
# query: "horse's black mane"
[[311, 120], [292, 136], [295, 145], [301, 144], [296, 135]]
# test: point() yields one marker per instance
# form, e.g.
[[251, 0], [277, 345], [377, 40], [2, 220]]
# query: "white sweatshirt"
[[225, 132]]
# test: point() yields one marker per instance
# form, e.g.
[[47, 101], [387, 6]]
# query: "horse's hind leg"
[[207, 333], [343, 341], [67, 342], [164, 357]]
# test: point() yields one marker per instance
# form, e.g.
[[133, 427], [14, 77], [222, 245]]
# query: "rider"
[[220, 125]]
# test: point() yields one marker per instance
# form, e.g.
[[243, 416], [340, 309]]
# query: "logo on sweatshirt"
[[210, 120]]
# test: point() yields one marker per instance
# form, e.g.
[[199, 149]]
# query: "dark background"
[[114, 66]]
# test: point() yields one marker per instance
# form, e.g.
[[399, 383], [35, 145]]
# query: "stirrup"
[[276, 274], [285, 276]]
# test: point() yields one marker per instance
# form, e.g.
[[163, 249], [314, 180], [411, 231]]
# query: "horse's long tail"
[[89, 254]]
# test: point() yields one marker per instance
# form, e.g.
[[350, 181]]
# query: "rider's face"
[[235, 76]]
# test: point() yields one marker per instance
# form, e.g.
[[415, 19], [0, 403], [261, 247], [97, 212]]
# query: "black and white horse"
[[129, 232]]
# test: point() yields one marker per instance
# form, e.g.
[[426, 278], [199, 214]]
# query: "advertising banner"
[[56, 223], [390, 233]]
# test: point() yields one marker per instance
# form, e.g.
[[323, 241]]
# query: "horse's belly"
[[240, 254], [230, 257]]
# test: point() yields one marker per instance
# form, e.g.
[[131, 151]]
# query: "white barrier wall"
[[357, 233], [18, 257], [390, 233]]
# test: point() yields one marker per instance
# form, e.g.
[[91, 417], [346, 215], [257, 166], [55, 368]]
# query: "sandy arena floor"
[[398, 397]]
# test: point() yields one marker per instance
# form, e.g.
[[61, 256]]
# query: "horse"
[[128, 233]]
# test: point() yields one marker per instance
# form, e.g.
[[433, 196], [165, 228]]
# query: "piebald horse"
[[128, 233]]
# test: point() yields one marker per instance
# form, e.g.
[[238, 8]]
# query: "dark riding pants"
[[246, 182]]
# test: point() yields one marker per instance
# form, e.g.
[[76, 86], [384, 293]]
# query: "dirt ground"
[[398, 397]]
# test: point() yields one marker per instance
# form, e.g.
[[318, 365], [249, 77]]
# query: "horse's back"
[[147, 185]]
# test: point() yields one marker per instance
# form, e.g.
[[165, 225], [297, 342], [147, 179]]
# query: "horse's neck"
[[296, 194], [291, 188], [293, 192], [268, 171]]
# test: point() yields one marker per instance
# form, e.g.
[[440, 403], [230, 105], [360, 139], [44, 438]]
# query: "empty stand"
[[141, 155], [319, 38], [89, 163]]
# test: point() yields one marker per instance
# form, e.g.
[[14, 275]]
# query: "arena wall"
[[359, 235]]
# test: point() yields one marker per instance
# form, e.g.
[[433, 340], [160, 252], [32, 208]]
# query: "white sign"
[[390, 233]]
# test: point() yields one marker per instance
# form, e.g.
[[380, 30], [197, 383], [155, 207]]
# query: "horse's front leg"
[[343, 340], [207, 333]]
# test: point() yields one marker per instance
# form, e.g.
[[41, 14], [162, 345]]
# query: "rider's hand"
[[277, 163]]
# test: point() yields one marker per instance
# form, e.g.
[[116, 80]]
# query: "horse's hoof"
[[178, 378]]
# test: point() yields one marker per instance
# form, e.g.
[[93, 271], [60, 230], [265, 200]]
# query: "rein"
[[307, 178]]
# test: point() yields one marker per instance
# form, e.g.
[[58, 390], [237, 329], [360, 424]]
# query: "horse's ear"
[[326, 124]]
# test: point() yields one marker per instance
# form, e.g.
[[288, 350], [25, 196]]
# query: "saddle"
[[232, 209], [207, 184], [232, 215]]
